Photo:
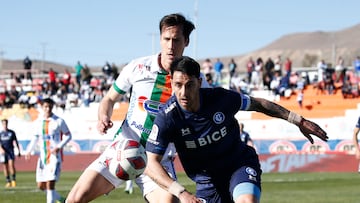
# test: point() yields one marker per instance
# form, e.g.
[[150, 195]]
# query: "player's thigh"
[[89, 186], [245, 183], [152, 191]]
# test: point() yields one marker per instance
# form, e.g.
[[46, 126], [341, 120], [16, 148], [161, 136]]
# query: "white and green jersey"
[[150, 87]]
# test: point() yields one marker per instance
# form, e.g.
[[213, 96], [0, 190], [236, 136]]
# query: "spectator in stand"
[[85, 75], [8, 141], [356, 64], [207, 67], [232, 68], [78, 70], [218, 67], [52, 80], [288, 67], [107, 70], [66, 80], [268, 73], [256, 76], [250, 67], [114, 70], [278, 65], [27, 66], [321, 68], [340, 70], [300, 97]]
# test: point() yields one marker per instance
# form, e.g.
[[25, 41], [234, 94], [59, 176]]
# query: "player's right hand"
[[188, 197], [27, 156], [103, 125]]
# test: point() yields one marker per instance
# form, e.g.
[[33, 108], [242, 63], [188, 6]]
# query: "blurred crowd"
[[71, 88], [281, 80]]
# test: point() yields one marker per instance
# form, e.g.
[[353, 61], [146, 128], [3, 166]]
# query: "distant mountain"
[[304, 49], [299, 47]]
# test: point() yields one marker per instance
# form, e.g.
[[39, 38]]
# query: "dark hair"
[[177, 19], [49, 101], [5, 120], [185, 65]]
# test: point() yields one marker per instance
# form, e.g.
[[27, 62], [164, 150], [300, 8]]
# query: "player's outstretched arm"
[[272, 109]]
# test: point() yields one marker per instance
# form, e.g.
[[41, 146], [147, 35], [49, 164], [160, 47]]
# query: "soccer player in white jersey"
[[149, 81], [52, 134]]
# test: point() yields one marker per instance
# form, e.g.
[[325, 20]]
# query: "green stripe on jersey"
[[155, 96]]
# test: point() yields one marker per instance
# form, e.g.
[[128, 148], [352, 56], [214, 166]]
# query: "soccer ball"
[[128, 159]]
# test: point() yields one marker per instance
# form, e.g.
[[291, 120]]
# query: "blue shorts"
[[9, 156], [245, 180]]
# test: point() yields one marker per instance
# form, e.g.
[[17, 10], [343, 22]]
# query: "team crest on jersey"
[[251, 171], [218, 117]]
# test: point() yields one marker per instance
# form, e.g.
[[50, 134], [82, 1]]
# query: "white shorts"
[[50, 171], [145, 183]]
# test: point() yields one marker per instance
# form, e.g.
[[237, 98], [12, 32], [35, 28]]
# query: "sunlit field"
[[277, 188]]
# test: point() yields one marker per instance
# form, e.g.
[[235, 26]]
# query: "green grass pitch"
[[276, 188]]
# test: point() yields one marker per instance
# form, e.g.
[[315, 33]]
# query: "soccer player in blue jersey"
[[202, 125], [7, 141]]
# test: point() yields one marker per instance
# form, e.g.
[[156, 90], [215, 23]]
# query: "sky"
[[96, 31]]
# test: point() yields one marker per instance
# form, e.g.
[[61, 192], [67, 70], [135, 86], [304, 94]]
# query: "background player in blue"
[[244, 136], [356, 141], [202, 125], [7, 140]]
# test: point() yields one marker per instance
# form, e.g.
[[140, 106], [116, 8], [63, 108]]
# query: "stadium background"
[[281, 147]]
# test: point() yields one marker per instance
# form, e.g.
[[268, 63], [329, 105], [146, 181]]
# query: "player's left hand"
[[19, 154], [308, 127]]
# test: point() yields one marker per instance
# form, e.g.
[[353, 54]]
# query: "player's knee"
[[75, 197], [247, 198], [41, 186]]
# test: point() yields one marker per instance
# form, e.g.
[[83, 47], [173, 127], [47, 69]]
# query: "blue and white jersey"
[[207, 141], [7, 139]]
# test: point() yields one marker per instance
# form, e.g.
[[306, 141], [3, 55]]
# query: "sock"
[[8, 179], [57, 195], [50, 196], [13, 177]]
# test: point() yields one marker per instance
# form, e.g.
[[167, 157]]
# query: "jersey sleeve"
[[245, 102], [123, 82], [159, 137], [66, 134]]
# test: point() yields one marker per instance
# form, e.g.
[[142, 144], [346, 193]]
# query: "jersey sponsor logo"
[[208, 139], [218, 117], [185, 131], [150, 106], [140, 127], [170, 107]]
